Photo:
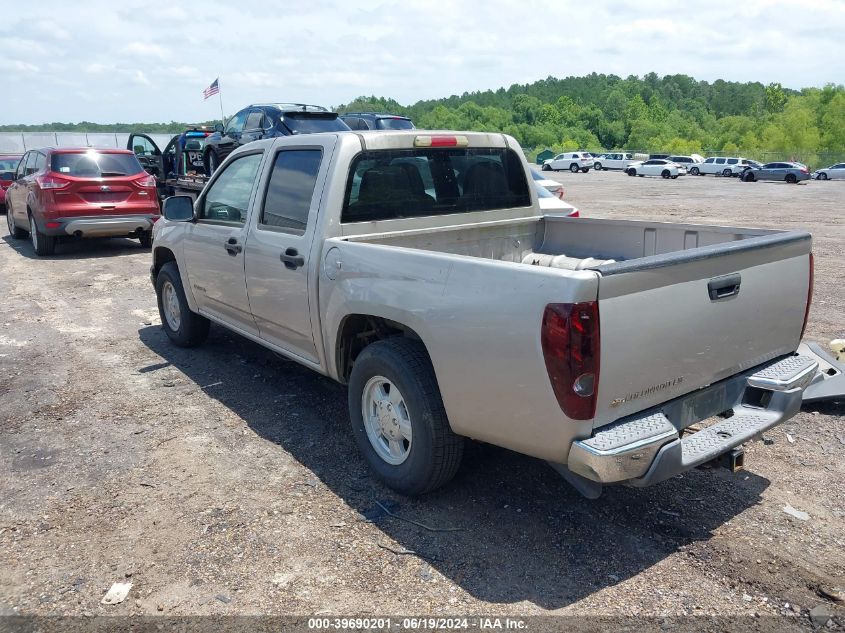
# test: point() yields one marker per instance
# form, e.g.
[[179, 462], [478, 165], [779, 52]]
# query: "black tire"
[[674, 177], [146, 239], [694, 171], [822, 176], [193, 328], [632, 172], [598, 167], [211, 162], [574, 168], [727, 173], [666, 173], [435, 451], [791, 179], [43, 245], [586, 169], [748, 177], [16, 232], [547, 168]]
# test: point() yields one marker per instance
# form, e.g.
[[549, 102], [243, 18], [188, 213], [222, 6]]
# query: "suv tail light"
[[570, 340], [147, 180], [48, 181], [809, 294]]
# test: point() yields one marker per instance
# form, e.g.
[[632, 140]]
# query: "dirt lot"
[[224, 481]]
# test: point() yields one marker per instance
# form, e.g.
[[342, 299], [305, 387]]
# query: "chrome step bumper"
[[649, 447]]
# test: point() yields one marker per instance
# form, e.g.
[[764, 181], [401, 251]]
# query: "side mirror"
[[218, 127], [179, 208]]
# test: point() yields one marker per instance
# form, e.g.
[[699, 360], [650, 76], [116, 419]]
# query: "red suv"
[[80, 192], [8, 165]]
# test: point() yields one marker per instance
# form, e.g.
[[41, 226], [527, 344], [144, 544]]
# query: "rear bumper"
[[652, 446], [101, 225]]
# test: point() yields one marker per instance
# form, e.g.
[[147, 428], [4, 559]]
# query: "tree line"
[[673, 113]]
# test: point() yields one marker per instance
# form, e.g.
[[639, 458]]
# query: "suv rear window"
[[384, 185], [394, 123], [311, 122], [95, 164]]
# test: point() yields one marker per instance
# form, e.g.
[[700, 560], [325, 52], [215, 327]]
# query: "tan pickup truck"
[[417, 268]]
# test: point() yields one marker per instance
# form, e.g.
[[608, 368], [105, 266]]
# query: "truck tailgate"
[[673, 323]]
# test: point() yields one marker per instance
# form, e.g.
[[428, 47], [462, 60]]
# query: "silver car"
[[788, 172]]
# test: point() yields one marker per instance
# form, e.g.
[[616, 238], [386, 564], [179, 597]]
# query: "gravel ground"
[[224, 480]]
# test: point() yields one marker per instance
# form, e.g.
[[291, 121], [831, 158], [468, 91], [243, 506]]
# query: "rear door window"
[[710, 161], [95, 164], [733, 161], [385, 185], [720, 161], [290, 190]]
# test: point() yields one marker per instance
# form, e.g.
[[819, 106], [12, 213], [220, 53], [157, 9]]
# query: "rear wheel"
[[574, 168], [398, 419], [183, 327], [727, 173], [598, 167], [211, 162], [791, 179], [674, 177], [14, 231], [43, 244], [666, 173]]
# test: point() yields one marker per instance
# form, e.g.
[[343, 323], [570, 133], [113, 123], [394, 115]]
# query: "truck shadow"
[[525, 535], [72, 248]]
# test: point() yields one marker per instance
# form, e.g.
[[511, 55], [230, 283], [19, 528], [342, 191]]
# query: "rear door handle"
[[292, 259], [232, 246], [723, 287]]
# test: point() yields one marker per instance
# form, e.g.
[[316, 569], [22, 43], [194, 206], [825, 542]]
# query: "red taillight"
[[570, 341], [147, 180], [48, 181], [53, 225], [155, 218], [575, 214], [809, 294], [805, 170]]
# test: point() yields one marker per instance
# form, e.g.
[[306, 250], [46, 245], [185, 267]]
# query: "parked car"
[[687, 161], [788, 172], [8, 165], [83, 192], [376, 121], [267, 120], [613, 160], [656, 167], [413, 299], [834, 172], [716, 166], [550, 195], [573, 161], [182, 156], [742, 165]]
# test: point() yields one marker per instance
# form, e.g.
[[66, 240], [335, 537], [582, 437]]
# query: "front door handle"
[[292, 259], [232, 246]]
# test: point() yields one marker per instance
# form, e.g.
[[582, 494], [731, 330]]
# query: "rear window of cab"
[[95, 164], [385, 185]]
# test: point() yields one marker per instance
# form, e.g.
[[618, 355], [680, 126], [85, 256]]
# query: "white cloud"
[[152, 65]]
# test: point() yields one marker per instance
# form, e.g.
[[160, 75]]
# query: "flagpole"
[[220, 96]]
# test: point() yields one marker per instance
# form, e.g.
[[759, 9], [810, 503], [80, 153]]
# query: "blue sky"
[[137, 61]]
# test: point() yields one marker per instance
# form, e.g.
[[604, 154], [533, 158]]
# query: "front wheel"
[[665, 173], [632, 172], [748, 177], [146, 239], [43, 244], [14, 231], [574, 168], [822, 176], [183, 327], [211, 162], [547, 167], [398, 419], [694, 171], [598, 167]]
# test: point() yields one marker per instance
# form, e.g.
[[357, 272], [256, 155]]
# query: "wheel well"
[[160, 257], [359, 330]]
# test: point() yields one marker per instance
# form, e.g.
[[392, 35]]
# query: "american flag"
[[212, 90]]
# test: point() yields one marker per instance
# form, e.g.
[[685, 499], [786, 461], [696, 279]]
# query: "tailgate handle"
[[724, 287]]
